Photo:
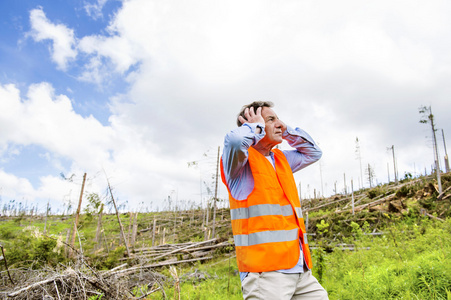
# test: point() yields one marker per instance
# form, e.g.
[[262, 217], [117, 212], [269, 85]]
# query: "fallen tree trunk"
[[367, 205]]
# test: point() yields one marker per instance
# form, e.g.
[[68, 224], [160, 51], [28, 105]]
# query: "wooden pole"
[[119, 219], [344, 178], [216, 195], [153, 233], [437, 162], [394, 164], [6, 264], [77, 214], [446, 154], [370, 177]]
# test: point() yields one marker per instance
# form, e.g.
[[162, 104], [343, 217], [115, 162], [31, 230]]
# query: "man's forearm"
[[236, 145], [307, 151]]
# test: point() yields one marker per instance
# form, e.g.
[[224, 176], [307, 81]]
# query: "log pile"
[[83, 281], [178, 253]]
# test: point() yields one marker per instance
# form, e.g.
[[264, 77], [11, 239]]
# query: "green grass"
[[223, 282], [409, 262]]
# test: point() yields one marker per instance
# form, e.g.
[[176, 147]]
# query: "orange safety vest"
[[268, 225]]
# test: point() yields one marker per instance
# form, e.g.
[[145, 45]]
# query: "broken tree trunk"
[[153, 231], [77, 214], [118, 219]]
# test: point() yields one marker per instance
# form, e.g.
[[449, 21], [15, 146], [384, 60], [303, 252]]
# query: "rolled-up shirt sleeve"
[[307, 151], [236, 145]]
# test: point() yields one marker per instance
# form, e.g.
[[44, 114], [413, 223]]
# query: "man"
[[268, 228]]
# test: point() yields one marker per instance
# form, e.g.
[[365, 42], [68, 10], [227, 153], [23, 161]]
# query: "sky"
[[133, 92]]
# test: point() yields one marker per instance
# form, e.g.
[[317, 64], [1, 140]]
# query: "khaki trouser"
[[281, 286]]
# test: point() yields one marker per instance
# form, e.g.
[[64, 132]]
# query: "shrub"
[[30, 246]]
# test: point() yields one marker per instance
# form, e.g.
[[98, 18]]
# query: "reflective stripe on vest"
[[266, 237], [298, 212], [261, 210], [268, 224]]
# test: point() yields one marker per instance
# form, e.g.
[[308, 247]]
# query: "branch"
[[6, 264]]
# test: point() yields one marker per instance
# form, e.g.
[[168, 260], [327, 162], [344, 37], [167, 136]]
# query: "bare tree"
[[428, 117], [77, 214], [370, 173]]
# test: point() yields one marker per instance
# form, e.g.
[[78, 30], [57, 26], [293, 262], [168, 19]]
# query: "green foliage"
[[139, 291], [7, 232], [409, 262], [93, 206], [405, 191], [221, 282], [113, 257], [373, 193], [31, 245], [322, 227]]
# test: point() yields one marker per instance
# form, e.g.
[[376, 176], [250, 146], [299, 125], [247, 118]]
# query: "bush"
[[113, 257], [404, 191], [31, 247], [377, 191]]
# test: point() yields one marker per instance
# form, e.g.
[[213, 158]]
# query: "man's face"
[[273, 126]]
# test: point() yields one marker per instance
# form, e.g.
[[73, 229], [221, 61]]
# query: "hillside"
[[175, 250]]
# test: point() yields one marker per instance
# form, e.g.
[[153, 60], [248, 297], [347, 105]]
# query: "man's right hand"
[[252, 117]]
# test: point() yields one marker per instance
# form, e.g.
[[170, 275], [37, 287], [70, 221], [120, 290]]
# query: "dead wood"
[[356, 201], [3, 257], [367, 205], [149, 252], [184, 248], [36, 284], [178, 262], [81, 282], [326, 204], [439, 197], [132, 270], [423, 211], [198, 254]]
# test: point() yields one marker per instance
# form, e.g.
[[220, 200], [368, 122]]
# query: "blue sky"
[[134, 90], [25, 61]]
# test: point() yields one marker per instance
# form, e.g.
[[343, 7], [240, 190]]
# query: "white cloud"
[[339, 70], [94, 9], [12, 184], [121, 150], [336, 71], [48, 120], [63, 41]]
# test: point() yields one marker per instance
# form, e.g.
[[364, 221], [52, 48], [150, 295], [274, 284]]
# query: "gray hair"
[[255, 105]]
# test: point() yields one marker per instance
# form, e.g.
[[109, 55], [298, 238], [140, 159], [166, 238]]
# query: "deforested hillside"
[[388, 242]]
